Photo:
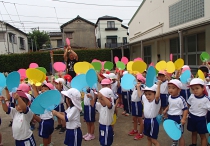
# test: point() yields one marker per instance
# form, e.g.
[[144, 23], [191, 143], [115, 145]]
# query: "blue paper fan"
[[2, 80], [151, 76], [79, 82], [185, 76], [36, 108], [128, 82], [13, 81], [91, 78], [173, 129]]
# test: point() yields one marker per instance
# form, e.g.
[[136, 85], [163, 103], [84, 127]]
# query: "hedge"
[[14, 62]]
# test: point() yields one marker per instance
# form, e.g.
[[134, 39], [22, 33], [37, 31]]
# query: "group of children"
[[168, 97]]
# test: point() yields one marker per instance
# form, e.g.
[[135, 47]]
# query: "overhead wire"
[[6, 49], [7, 12], [19, 17]]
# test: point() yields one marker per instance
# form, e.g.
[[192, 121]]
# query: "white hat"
[[125, 72], [197, 81], [60, 80], [106, 76], [75, 97], [153, 88], [30, 98], [208, 84], [176, 82], [112, 76], [107, 92]]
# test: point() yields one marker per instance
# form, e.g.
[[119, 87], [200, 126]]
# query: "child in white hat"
[[199, 106], [105, 107], [72, 118], [177, 109], [152, 103]]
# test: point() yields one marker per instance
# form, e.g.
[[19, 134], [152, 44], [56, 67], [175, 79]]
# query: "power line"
[[56, 16], [7, 12], [2, 31], [96, 4], [19, 18], [120, 6]]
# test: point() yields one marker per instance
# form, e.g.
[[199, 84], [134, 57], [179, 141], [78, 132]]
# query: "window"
[[2, 37], [59, 42], [175, 48], [99, 43], [147, 54], [12, 38], [22, 43], [185, 11], [69, 35], [124, 40], [110, 24], [111, 40]]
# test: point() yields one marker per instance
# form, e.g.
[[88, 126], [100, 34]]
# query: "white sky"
[[45, 17]]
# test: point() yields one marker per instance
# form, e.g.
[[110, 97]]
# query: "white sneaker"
[[86, 135]]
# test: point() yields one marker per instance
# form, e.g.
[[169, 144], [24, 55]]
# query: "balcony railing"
[[114, 45]]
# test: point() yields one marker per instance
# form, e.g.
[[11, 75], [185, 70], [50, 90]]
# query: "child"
[[151, 102], [199, 104], [60, 108], [137, 109], [105, 108], [72, 117], [177, 109], [22, 117], [163, 90], [46, 122], [89, 116]]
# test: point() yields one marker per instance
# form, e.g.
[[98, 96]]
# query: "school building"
[[163, 27]]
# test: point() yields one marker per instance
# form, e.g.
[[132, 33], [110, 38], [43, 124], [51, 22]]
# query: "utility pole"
[[13, 44], [32, 45]]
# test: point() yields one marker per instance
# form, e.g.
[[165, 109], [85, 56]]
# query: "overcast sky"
[[43, 12]]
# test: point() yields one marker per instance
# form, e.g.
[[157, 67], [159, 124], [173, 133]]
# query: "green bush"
[[14, 62]]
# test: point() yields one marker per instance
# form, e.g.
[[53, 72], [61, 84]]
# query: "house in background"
[[56, 39], [110, 32], [80, 31], [12, 40], [178, 27]]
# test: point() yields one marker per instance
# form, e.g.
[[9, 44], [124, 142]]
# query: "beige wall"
[[153, 19], [53, 41], [83, 34]]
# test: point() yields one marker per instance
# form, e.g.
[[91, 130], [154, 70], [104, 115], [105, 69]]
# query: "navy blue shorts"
[[137, 109], [164, 100], [60, 108], [185, 94], [26, 142], [197, 124], [46, 128], [105, 135], [177, 119], [208, 117], [119, 90], [73, 137], [151, 128], [89, 113]]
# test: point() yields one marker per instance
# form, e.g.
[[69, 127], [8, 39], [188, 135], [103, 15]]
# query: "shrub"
[[14, 62]]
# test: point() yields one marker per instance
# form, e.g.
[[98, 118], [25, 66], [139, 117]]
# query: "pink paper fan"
[[68, 42], [124, 60], [116, 59], [33, 65], [138, 59], [59, 66], [22, 73]]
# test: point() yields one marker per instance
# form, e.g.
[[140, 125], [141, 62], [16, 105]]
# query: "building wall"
[[153, 19], [8, 46], [53, 41], [83, 34], [101, 33]]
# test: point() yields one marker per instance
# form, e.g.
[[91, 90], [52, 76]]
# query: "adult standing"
[[70, 57]]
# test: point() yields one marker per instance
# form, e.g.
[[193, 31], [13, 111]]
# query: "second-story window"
[[110, 24]]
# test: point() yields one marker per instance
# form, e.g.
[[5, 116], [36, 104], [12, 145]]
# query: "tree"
[[38, 38]]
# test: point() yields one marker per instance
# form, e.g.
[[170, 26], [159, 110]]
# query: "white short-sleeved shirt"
[[164, 88], [21, 123], [176, 105], [47, 115], [105, 114], [199, 106], [135, 97], [151, 109], [86, 99], [72, 116]]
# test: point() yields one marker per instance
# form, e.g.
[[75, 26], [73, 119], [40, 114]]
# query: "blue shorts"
[[26, 142], [185, 94], [164, 100], [73, 137], [197, 124], [119, 90], [137, 109], [89, 113], [177, 119], [208, 117], [105, 135], [60, 108], [46, 128], [151, 128]]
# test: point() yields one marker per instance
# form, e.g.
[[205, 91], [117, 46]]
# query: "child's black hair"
[[46, 86], [70, 102], [25, 100], [204, 69]]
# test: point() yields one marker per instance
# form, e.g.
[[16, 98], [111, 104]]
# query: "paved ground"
[[123, 125]]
